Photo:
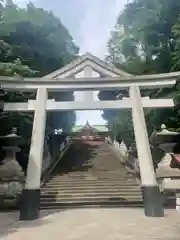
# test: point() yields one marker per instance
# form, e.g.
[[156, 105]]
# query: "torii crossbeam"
[[52, 105]]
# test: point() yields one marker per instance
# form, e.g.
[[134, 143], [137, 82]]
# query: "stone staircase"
[[90, 175]]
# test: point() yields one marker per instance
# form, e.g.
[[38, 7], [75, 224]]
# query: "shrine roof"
[[98, 128]]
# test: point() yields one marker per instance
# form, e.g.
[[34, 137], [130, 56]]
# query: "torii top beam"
[[62, 80], [107, 83]]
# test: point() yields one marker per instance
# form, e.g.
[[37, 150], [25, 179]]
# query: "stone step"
[[90, 188], [108, 184], [92, 181], [95, 176], [119, 176], [90, 199], [98, 190], [72, 205], [95, 183], [88, 179], [94, 170], [99, 181], [114, 173], [90, 185], [90, 194]]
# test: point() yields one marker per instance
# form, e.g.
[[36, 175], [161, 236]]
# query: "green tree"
[[146, 40], [38, 37], [34, 43]]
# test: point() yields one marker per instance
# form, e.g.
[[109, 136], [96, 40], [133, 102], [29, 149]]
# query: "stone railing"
[[49, 164], [122, 152], [163, 145]]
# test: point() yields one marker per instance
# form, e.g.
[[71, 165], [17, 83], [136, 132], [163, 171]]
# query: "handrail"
[[63, 148]]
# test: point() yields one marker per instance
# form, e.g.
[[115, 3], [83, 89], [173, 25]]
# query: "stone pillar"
[[150, 190], [30, 203]]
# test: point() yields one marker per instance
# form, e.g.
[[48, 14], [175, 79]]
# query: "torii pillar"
[[30, 202], [153, 205]]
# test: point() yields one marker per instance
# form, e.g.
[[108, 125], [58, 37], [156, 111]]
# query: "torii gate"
[[110, 78]]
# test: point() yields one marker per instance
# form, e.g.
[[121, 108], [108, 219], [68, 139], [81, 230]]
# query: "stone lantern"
[[11, 174], [166, 139], [167, 177]]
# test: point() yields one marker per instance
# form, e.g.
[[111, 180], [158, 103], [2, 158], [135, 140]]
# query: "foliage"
[[33, 42], [15, 68], [146, 40], [41, 40]]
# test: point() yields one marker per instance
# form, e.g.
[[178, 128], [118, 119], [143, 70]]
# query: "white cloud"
[[99, 20], [21, 2]]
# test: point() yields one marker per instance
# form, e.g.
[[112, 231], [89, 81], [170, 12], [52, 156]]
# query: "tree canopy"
[[146, 40], [33, 42]]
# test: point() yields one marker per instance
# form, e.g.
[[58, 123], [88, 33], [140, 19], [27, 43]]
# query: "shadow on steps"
[[77, 158]]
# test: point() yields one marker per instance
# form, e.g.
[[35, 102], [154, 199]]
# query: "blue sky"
[[90, 23]]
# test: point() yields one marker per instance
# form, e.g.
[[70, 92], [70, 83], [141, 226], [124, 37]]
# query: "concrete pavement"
[[100, 224]]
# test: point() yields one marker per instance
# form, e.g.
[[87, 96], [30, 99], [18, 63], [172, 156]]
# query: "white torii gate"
[[61, 80]]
